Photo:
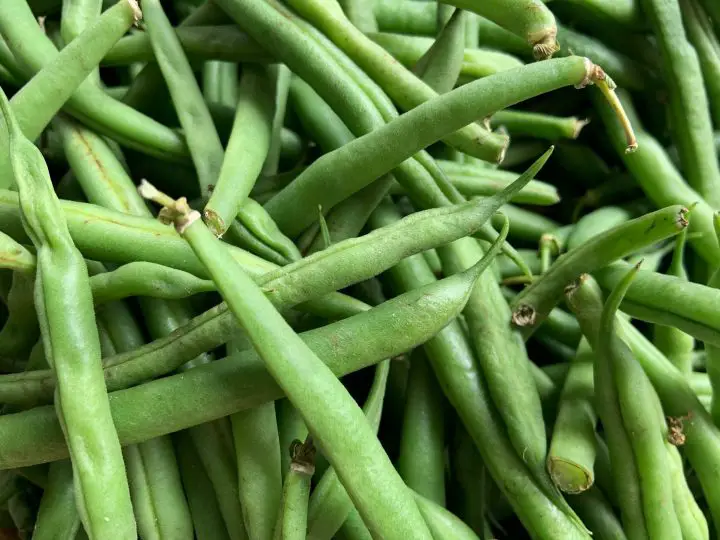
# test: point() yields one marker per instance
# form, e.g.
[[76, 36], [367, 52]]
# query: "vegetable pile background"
[[355, 269]]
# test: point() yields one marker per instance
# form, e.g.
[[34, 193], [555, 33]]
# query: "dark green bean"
[[421, 461], [440, 66], [692, 127], [57, 516]]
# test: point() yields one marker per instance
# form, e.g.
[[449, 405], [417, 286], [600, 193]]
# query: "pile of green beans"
[[356, 269]]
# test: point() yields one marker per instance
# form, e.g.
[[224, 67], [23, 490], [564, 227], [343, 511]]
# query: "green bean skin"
[[292, 518], [441, 64], [249, 143], [585, 301], [571, 456], [692, 128], [476, 62], [359, 460], [700, 33], [529, 19], [532, 305], [223, 43], [421, 461], [72, 344], [86, 150], [442, 523], [651, 160], [354, 528], [89, 103], [665, 293], [330, 504], [220, 83], [599, 516], [643, 419], [146, 279], [76, 16], [157, 492], [207, 519], [407, 90], [411, 132], [21, 330], [596, 223], [692, 520], [57, 516], [53, 82], [203, 141], [257, 450]]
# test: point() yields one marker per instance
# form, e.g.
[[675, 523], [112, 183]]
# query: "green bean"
[[86, 150], [293, 515], [532, 305], [672, 342], [407, 17], [651, 162], [596, 223], [72, 341], [220, 83], [76, 16], [460, 384], [442, 523], [685, 303], [409, 133], [158, 498], [354, 528], [407, 90], [691, 518], [440, 66], [68, 70], [476, 62], [635, 395], [281, 77], [215, 327], [223, 43], [692, 128], [146, 279], [583, 300], [572, 451], [88, 103], [473, 181], [207, 519], [702, 438], [421, 461], [359, 460], [619, 12], [257, 450], [290, 427], [597, 513], [57, 516], [203, 141], [702, 37], [330, 504], [21, 330], [538, 125], [248, 146], [526, 225], [529, 19]]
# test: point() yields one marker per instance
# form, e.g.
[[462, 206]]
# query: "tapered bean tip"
[[523, 315], [137, 12]]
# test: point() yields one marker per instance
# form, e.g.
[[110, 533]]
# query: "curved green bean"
[[533, 304], [73, 345]]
